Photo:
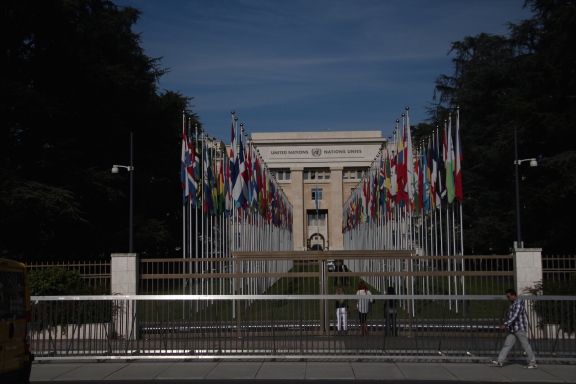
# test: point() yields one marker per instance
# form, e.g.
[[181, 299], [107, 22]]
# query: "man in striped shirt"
[[517, 325]]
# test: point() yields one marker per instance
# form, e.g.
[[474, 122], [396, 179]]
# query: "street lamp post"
[[533, 163], [130, 169]]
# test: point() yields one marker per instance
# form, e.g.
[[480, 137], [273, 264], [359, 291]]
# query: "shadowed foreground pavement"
[[356, 370]]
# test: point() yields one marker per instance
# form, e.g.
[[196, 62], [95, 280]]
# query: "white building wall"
[[336, 151]]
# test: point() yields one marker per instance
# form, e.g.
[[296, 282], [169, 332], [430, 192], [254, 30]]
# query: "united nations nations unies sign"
[[317, 152]]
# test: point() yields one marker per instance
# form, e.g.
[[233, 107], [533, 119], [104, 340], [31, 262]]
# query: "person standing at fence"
[[339, 266], [363, 308], [390, 313], [344, 268], [517, 328], [342, 310]]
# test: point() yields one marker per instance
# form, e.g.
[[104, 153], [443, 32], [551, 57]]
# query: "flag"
[[196, 155], [254, 179], [221, 188], [388, 181], [411, 177], [436, 182], [426, 195], [415, 204], [192, 164], [458, 162], [187, 180], [260, 185], [248, 168], [233, 155], [400, 168], [265, 177], [184, 161], [382, 182], [240, 191], [208, 181], [373, 193], [393, 180], [449, 161], [229, 204], [363, 202], [421, 176]]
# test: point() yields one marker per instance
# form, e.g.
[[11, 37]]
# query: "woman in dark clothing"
[[363, 307], [390, 313]]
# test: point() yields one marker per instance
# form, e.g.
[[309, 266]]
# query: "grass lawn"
[[298, 310]]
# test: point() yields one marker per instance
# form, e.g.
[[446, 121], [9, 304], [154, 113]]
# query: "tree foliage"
[[56, 281], [527, 81], [559, 312], [74, 83]]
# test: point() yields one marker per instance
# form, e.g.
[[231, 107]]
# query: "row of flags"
[[230, 184], [408, 180]]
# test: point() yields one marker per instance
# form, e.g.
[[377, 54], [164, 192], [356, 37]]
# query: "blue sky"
[[311, 65]]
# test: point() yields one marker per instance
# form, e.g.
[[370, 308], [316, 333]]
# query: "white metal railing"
[[291, 326]]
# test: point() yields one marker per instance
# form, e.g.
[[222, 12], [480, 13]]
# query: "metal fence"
[[211, 276], [559, 268], [93, 273], [290, 326], [257, 273]]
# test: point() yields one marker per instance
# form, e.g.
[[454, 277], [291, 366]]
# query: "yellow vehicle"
[[15, 356]]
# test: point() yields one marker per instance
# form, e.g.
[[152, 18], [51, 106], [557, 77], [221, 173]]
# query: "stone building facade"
[[318, 171]]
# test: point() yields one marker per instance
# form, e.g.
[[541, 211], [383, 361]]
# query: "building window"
[[316, 175], [281, 175], [316, 219], [352, 174], [316, 194]]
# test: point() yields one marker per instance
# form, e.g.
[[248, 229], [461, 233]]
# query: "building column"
[[527, 268], [299, 214], [124, 281], [335, 225]]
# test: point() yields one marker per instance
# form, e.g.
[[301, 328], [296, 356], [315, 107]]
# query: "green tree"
[[74, 82], [555, 311], [525, 81], [56, 281]]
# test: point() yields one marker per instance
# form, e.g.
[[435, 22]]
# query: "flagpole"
[[213, 218], [188, 217], [439, 193], [187, 199], [435, 232], [190, 229], [459, 192], [236, 265], [202, 215], [192, 157], [184, 180]]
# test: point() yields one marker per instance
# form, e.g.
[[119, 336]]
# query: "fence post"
[[124, 273], [527, 268], [124, 281]]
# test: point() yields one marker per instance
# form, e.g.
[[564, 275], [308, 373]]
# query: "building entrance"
[[317, 230], [316, 242]]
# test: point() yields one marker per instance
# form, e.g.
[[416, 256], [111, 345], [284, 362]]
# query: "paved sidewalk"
[[298, 370]]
